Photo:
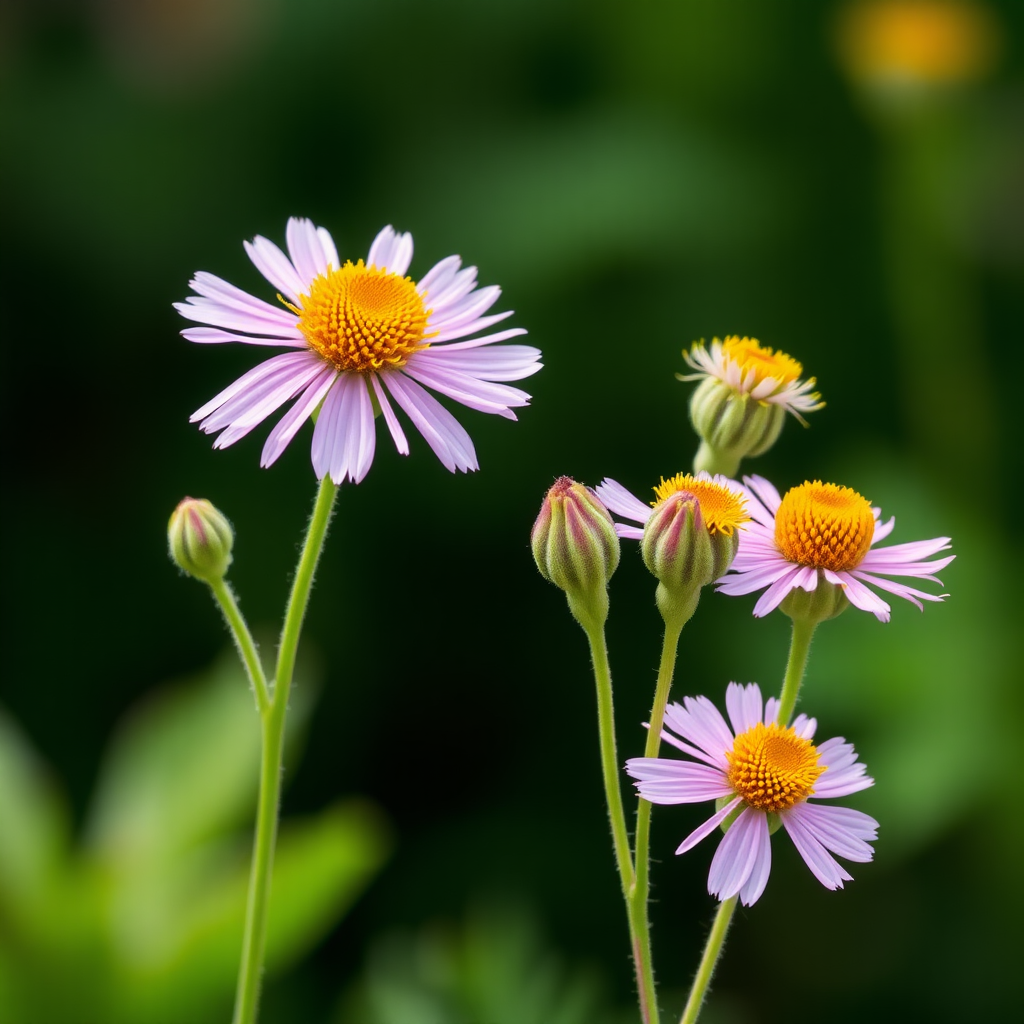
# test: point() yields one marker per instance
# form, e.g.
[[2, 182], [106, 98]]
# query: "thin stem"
[[799, 648], [272, 720], [620, 834], [712, 951], [244, 642], [639, 895], [609, 756]]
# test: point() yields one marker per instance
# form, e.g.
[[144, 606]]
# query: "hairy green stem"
[[225, 597], [272, 721], [712, 951], [799, 648], [639, 942]]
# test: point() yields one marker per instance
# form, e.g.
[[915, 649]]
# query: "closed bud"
[[200, 539], [690, 538], [576, 548]]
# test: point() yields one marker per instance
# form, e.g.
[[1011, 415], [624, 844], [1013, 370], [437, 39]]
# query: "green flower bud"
[[200, 539], [576, 547], [686, 549]]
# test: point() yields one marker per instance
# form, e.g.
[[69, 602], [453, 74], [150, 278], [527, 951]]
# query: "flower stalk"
[[272, 721]]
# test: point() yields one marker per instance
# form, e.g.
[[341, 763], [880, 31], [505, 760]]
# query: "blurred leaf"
[[33, 824], [183, 767], [495, 967]]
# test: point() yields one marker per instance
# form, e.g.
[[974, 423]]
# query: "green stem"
[[273, 720], [799, 647], [639, 895], [713, 460], [712, 951], [617, 815], [609, 757], [244, 642]]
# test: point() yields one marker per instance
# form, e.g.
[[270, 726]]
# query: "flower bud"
[[683, 553], [200, 539], [576, 548]]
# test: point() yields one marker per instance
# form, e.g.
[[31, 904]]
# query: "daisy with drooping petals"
[[824, 534], [363, 335], [721, 502], [750, 368], [766, 774]]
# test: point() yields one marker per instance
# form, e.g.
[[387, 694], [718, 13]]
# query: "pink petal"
[[445, 435], [622, 502], [272, 263], [290, 424], [709, 826], [397, 434], [738, 854], [214, 336], [305, 250]]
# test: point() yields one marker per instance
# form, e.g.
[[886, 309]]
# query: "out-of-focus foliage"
[[493, 966], [141, 918]]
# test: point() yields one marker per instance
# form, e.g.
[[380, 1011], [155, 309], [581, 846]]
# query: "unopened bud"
[[576, 548], [200, 539], [683, 553]]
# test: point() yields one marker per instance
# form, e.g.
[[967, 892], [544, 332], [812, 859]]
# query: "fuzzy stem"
[[225, 597], [273, 721], [799, 648], [708, 962]]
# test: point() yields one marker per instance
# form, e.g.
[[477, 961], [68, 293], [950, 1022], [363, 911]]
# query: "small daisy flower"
[[361, 336], [721, 502], [824, 534], [749, 368], [767, 773], [740, 405]]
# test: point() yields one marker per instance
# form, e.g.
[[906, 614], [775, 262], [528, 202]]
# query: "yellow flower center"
[[824, 526], [721, 508], [362, 319], [772, 768], [750, 354]]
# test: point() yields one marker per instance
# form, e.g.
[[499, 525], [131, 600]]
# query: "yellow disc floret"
[[722, 509], [824, 526], [749, 354], [362, 318], [772, 768]]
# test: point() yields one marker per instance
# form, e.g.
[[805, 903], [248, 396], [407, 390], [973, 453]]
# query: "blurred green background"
[[635, 177]]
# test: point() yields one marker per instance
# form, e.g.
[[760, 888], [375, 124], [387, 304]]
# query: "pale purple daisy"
[[767, 773], [363, 335], [825, 533]]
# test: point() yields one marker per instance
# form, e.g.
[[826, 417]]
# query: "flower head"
[[361, 334], [745, 392], [823, 536], [576, 548], [764, 774]]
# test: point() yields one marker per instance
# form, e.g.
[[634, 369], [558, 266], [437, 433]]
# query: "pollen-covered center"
[[363, 319], [824, 526], [721, 509], [772, 768], [750, 354]]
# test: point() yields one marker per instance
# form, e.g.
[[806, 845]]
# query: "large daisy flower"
[[762, 774], [823, 533], [749, 368], [362, 335], [721, 502]]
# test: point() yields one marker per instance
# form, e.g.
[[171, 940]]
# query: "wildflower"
[[745, 392], [762, 775], [360, 333], [823, 535], [576, 548], [199, 539]]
